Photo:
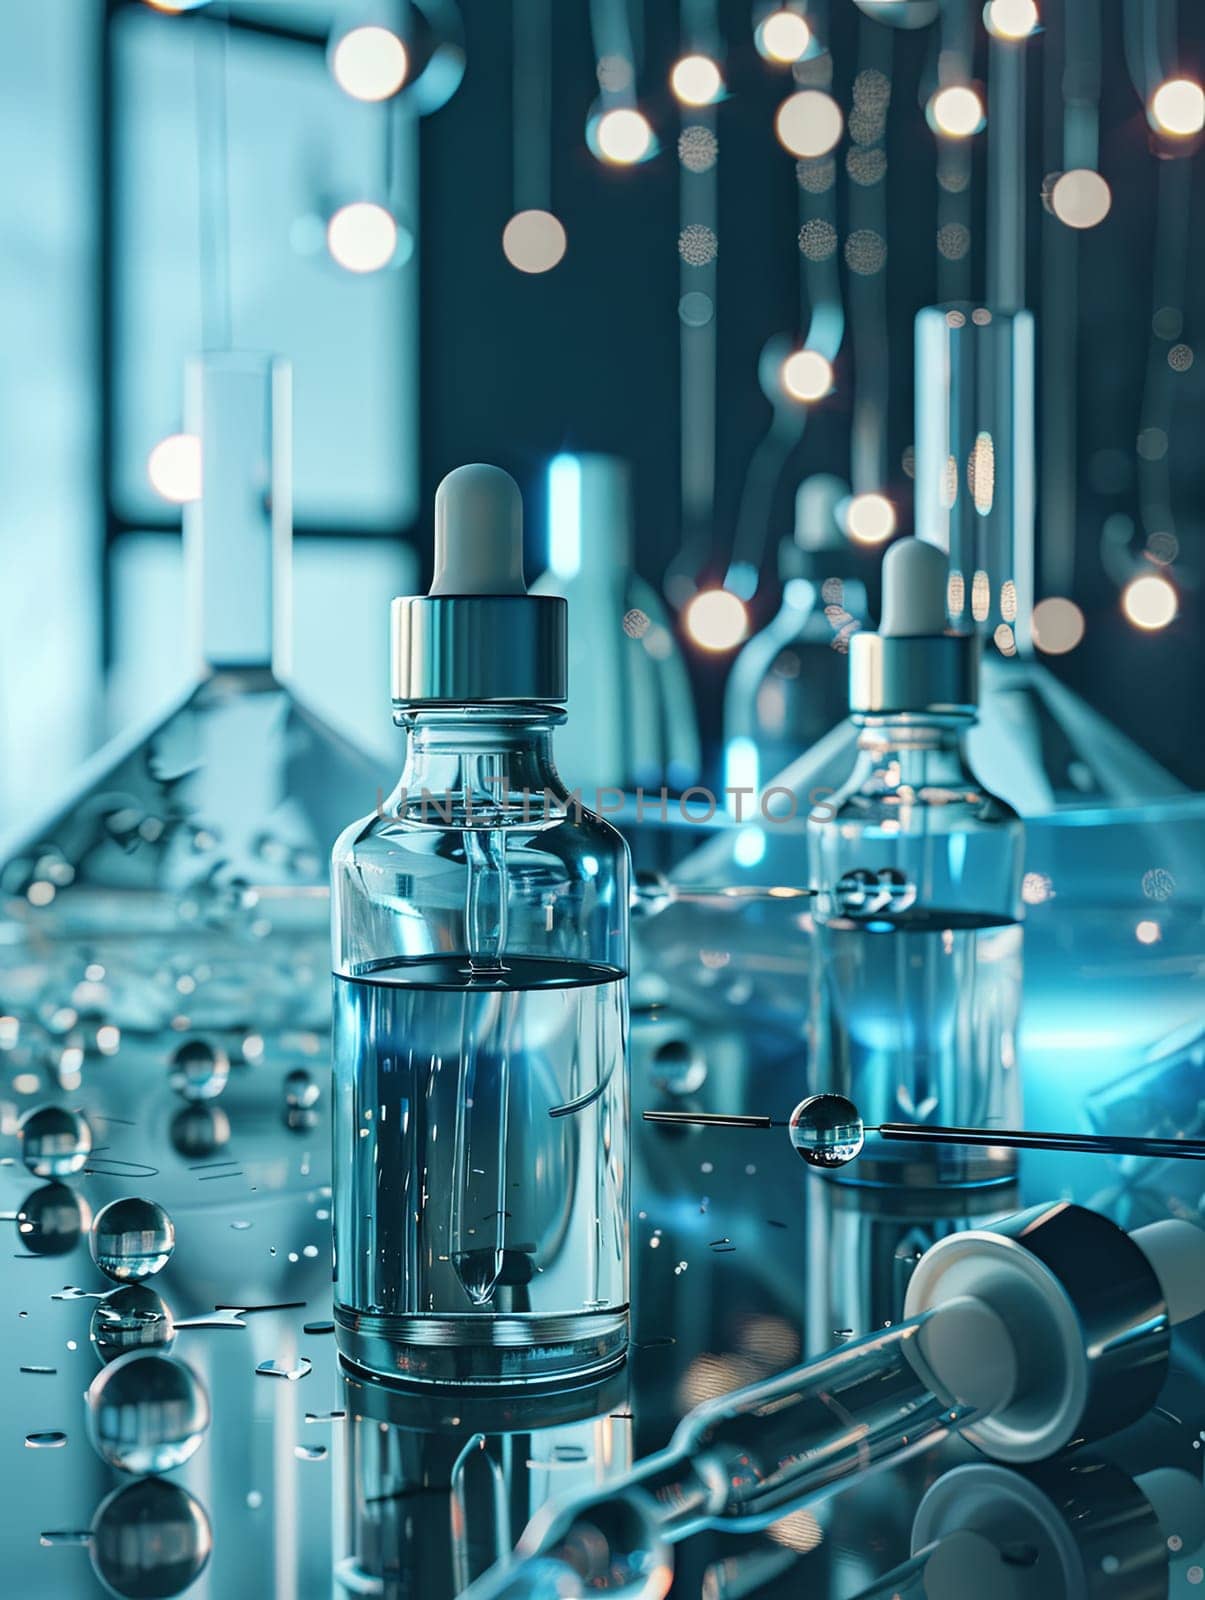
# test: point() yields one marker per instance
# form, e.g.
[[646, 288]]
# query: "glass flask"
[[787, 686], [916, 979], [179, 891], [1037, 742], [480, 945], [631, 713]]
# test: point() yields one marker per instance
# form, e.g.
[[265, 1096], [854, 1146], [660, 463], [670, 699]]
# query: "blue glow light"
[[750, 847], [565, 515], [741, 766]]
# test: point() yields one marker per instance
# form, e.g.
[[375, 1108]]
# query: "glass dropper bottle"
[[1051, 1327], [480, 934]]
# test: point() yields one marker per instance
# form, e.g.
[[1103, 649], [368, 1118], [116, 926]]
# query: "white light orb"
[[1057, 625], [362, 236], [901, 13], [716, 620], [1150, 602], [807, 375], [534, 241], [1081, 198], [696, 81], [1178, 107], [870, 518], [783, 37], [956, 111], [809, 123], [1011, 19], [1148, 932], [624, 136], [370, 63], [174, 468]]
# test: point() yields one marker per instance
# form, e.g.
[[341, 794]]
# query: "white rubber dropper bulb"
[[914, 590], [478, 533], [1176, 1252]]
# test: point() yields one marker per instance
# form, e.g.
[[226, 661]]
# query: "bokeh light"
[[1178, 107], [1081, 198], [534, 241], [1011, 19], [870, 518], [697, 148], [362, 236], [807, 375], [956, 111], [697, 244], [624, 136], [1148, 932], [1149, 602], [174, 468], [370, 63], [716, 620], [696, 80], [809, 123], [783, 37], [1057, 625], [818, 239]]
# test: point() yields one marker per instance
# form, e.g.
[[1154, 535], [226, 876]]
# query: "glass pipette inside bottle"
[[480, 1167]]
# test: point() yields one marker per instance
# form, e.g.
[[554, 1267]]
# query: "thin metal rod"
[[1023, 1139], [712, 1119], [1012, 1138]]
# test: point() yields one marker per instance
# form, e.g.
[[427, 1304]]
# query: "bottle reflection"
[[438, 1488]]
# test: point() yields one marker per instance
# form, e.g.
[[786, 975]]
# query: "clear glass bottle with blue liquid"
[[916, 869], [480, 935]]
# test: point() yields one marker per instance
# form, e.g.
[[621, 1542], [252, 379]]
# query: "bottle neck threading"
[[482, 749]]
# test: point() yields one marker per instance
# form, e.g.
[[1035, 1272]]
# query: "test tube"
[[975, 462]]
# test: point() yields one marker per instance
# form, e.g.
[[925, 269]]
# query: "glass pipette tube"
[[483, 1106], [744, 1460]]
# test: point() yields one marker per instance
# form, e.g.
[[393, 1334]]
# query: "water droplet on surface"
[[301, 1088], [147, 1412], [301, 1368], [132, 1239], [55, 1141], [150, 1540], [51, 1220], [826, 1130], [310, 1452], [47, 1440], [199, 1130], [132, 1317], [199, 1070]]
